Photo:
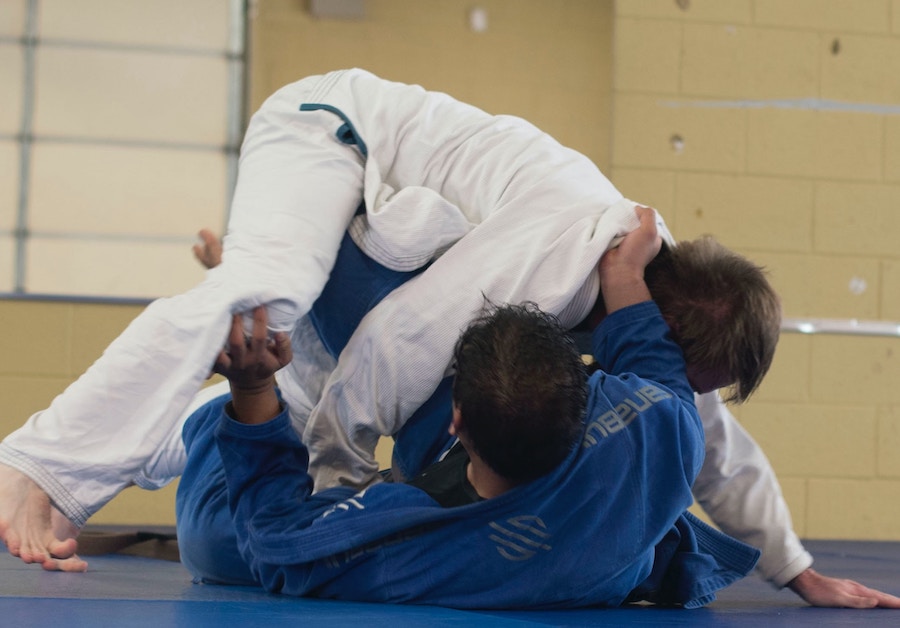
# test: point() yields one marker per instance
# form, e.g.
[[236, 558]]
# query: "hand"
[[251, 362], [209, 252], [637, 249], [819, 590], [622, 268], [250, 365]]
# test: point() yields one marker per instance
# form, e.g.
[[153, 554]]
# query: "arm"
[[250, 363], [622, 268], [738, 489]]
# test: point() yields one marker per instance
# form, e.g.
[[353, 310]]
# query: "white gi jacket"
[[527, 219]]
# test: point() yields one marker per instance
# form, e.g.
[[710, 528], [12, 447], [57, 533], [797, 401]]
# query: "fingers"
[[250, 358], [282, 348], [647, 217], [226, 359], [883, 600], [259, 336], [236, 342], [857, 601], [824, 591]]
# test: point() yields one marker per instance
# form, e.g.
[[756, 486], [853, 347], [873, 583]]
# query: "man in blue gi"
[[594, 502]]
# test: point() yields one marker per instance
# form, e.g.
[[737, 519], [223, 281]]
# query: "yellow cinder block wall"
[[773, 124]]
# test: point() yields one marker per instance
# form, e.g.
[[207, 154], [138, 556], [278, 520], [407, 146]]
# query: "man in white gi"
[[511, 216]]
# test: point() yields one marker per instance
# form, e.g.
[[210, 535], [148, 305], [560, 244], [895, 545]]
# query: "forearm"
[[266, 471], [254, 406], [622, 267], [622, 288]]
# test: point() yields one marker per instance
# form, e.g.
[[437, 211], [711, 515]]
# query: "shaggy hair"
[[722, 310], [521, 390]]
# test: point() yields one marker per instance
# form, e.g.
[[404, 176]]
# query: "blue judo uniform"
[[608, 526]]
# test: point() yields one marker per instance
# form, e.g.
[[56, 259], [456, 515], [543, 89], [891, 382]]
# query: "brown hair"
[[521, 389], [722, 310]]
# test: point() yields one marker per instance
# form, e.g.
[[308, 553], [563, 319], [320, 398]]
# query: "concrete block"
[[888, 442], [23, 396], [892, 149], [728, 11], [782, 142], [861, 70], [854, 369], [865, 16], [811, 440], [725, 61], [794, 491], [41, 343], [96, 326], [788, 379], [890, 290], [857, 219], [653, 188], [654, 132], [824, 286], [746, 212], [804, 142], [647, 55], [853, 509]]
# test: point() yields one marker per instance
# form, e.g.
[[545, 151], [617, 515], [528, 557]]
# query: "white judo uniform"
[[499, 209]]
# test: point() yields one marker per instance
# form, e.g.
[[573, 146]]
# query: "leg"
[[297, 191]]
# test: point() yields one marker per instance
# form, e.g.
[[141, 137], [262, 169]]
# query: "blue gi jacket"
[[606, 527]]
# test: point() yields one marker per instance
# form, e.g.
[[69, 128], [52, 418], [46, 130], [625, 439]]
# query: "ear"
[[456, 422]]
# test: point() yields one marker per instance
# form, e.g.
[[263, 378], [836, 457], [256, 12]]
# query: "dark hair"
[[521, 390], [722, 310]]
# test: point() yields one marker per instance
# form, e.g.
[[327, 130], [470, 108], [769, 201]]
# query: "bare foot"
[[31, 528]]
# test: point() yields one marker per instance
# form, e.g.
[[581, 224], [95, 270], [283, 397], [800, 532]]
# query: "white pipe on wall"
[[847, 326]]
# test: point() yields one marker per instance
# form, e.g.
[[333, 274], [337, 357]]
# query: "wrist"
[[254, 404], [802, 581], [621, 289]]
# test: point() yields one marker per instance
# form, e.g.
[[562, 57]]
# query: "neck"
[[486, 482]]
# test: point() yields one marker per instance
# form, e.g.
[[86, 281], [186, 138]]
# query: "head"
[[722, 311], [520, 390]]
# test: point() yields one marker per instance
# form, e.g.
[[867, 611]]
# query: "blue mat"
[[125, 591]]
